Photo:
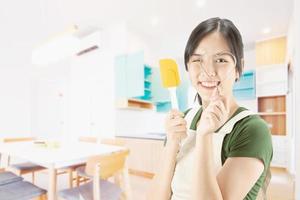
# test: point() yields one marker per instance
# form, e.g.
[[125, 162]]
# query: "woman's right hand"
[[175, 126]]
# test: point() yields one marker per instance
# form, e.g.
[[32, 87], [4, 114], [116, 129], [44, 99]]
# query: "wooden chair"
[[70, 170], [100, 168], [25, 167], [81, 176]]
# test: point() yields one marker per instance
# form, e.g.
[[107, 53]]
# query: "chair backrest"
[[87, 139], [109, 164], [113, 141], [14, 139], [18, 139]]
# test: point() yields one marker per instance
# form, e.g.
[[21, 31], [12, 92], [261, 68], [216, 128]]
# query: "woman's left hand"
[[214, 116]]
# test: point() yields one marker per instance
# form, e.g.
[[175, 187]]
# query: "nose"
[[208, 69]]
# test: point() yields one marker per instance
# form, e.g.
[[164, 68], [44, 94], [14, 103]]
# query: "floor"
[[281, 186]]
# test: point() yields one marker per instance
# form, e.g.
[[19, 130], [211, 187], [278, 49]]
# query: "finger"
[[216, 114], [178, 129], [213, 118], [177, 121], [222, 106], [175, 114], [215, 95], [217, 106]]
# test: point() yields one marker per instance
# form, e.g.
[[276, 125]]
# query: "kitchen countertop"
[[150, 136]]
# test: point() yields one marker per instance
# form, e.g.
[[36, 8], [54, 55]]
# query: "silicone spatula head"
[[169, 73]]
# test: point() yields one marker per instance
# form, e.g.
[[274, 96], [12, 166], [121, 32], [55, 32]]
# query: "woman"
[[219, 129]]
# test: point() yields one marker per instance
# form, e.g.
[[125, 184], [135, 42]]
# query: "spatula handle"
[[173, 96]]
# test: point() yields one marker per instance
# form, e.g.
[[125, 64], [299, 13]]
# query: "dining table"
[[57, 156]]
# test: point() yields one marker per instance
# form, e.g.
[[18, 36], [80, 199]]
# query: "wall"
[[296, 17], [14, 101], [14, 86]]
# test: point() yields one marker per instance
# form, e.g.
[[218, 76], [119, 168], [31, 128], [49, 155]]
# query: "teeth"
[[209, 84]]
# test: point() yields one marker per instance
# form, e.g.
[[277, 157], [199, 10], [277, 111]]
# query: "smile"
[[209, 84]]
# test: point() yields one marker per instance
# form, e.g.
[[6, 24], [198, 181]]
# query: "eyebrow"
[[218, 53]]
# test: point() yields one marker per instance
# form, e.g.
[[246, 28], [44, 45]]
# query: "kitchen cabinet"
[[272, 51], [133, 82], [129, 75], [272, 80], [244, 88], [273, 110], [145, 156]]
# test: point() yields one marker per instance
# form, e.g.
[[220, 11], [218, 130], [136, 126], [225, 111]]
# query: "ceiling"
[[163, 23]]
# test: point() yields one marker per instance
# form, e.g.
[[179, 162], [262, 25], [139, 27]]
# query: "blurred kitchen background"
[[90, 68]]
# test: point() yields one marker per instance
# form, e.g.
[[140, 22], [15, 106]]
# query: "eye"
[[221, 60], [197, 60]]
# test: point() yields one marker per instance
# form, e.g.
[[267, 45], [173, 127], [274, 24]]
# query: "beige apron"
[[182, 179]]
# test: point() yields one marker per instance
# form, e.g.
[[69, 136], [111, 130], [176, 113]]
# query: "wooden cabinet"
[[272, 51], [273, 110], [145, 156]]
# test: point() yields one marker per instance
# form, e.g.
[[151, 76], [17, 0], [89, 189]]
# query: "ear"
[[237, 73]]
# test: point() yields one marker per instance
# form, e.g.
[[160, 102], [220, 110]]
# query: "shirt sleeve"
[[253, 140]]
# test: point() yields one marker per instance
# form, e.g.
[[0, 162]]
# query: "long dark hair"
[[230, 33]]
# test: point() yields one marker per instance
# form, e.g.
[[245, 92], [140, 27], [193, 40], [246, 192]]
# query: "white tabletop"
[[67, 154]]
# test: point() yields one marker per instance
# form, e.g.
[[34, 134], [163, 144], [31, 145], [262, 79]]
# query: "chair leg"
[[77, 180], [126, 183], [117, 180], [70, 172], [33, 177]]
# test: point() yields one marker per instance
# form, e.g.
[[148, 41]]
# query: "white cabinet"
[[280, 151], [272, 80]]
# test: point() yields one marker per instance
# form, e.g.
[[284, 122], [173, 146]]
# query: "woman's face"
[[212, 65]]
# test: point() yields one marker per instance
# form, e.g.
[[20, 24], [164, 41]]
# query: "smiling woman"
[[226, 150]]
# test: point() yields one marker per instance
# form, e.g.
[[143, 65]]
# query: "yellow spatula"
[[170, 78]]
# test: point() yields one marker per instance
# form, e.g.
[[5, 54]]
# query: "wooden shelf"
[[134, 104], [273, 110]]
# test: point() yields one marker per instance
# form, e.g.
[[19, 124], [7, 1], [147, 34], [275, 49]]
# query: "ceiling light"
[[266, 30], [154, 21], [201, 3]]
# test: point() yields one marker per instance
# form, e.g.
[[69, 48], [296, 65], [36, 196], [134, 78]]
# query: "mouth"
[[209, 84]]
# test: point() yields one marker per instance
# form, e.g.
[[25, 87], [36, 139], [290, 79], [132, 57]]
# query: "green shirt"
[[250, 137]]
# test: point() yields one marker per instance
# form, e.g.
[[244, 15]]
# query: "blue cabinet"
[[244, 89], [129, 75], [147, 84]]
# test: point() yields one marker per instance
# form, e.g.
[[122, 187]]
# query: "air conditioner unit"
[[72, 42]]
